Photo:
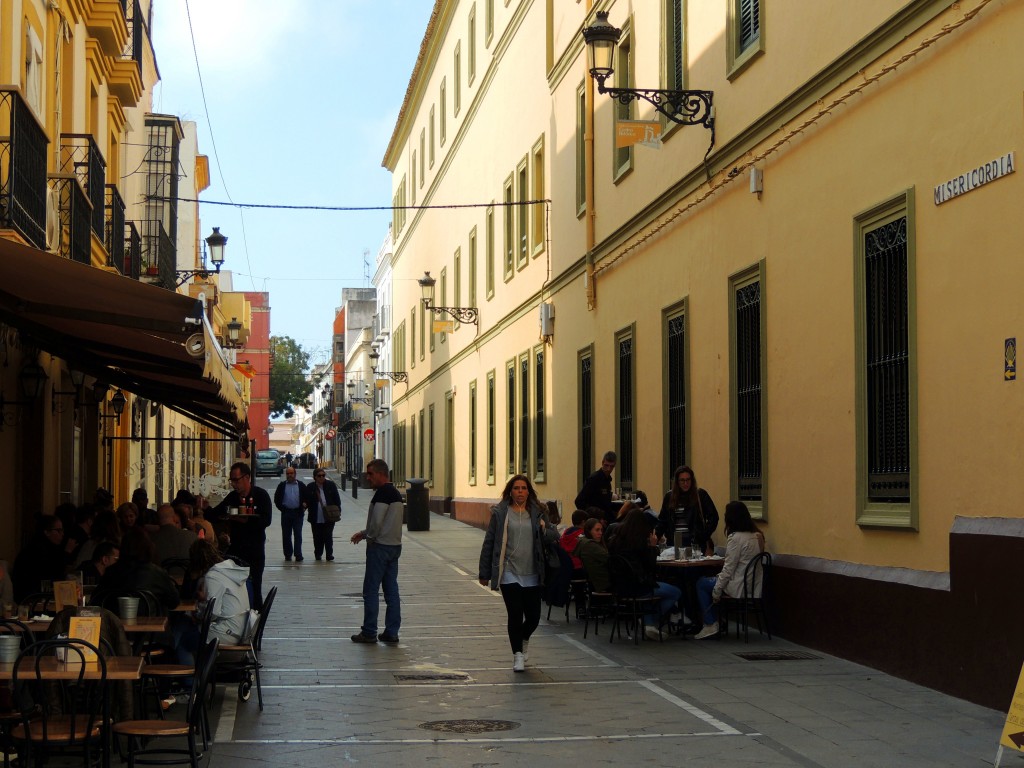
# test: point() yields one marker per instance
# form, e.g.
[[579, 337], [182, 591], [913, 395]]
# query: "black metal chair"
[[9, 714], [38, 603], [243, 659], [630, 607], [66, 716], [753, 602], [142, 733], [597, 607]]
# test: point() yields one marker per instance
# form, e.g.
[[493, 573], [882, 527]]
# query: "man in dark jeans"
[[248, 532], [597, 490], [289, 498], [383, 535]]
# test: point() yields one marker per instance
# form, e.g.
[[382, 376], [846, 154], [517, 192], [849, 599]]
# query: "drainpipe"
[[591, 213]]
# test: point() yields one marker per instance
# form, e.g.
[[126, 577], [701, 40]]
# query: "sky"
[[302, 98]]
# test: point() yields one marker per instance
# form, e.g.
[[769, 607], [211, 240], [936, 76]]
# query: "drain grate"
[[469, 726], [431, 677], [777, 656]]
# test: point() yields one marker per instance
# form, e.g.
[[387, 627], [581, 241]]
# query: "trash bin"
[[417, 505]]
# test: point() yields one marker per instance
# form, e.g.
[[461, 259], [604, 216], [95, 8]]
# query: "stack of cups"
[[128, 608]]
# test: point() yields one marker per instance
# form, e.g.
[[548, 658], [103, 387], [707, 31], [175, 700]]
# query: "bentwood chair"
[[753, 601], [243, 659], [9, 713], [143, 733]]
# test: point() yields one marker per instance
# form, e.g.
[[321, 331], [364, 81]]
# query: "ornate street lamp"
[[461, 314], [216, 242]]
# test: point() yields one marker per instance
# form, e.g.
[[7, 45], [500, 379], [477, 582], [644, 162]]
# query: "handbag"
[[332, 513]]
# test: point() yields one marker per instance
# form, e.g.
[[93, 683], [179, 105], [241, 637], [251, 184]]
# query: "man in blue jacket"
[[289, 498]]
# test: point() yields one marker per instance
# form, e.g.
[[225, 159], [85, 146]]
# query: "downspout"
[[591, 213]]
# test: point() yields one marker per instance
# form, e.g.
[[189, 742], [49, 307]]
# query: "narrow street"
[[331, 702]]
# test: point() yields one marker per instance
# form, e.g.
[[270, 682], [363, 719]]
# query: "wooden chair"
[[60, 716], [141, 732], [752, 602], [243, 659]]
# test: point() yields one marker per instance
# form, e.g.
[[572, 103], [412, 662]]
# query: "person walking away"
[[289, 498], [597, 490], [383, 535], [248, 531], [744, 543], [512, 561], [320, 494]]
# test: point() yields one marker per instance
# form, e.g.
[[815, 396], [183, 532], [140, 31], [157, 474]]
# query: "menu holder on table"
[[65, 594], [86, 628]]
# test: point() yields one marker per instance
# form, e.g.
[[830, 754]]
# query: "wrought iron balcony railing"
[[138, 32], [159, 255], [132, 251], [74, 212], [114, 238], [23, 145], [80, 155]]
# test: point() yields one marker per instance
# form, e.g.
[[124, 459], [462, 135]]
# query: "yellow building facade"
[[93, 318], [812, 305]]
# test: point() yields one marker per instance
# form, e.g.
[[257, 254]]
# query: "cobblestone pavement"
[[329, 701]]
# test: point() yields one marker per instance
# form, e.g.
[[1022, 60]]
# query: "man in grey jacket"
[[383, 534]]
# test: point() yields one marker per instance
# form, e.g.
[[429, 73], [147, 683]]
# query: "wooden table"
[[140, 626], [185, 606], [715, 563], [118, 668]]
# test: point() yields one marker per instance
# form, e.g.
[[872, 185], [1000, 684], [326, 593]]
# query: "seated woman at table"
[[635, 547], [128, 516], [593, 553], [135, 571], [745, 542]]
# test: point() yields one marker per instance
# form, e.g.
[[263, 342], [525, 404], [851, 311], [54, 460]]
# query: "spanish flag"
[[245, 369]]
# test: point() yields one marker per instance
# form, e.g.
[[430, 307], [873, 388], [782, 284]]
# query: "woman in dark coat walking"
[[321, 493]]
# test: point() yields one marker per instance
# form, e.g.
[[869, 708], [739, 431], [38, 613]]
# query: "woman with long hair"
[[688, 508], [635, 548], [592, 550], [512, 561], [745, 542]]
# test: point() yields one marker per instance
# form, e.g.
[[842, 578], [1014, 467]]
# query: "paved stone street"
[[331, 702]]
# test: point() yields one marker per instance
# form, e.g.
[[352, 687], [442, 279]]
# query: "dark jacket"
[[701, 528], [248, 534], [279, 493], [40, 560], [633, 572], [124, 576], [595, 560], [492, 554], [313, 498], [597, 492]]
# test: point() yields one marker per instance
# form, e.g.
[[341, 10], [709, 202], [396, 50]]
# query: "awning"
[[145, 339]]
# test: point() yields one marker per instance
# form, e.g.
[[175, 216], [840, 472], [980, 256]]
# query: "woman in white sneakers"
[[512, 560]]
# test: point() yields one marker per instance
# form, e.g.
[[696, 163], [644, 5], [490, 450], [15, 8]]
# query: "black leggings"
[[523, 607]]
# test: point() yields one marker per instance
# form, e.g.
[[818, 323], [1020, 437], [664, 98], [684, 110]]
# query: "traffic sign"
[[368, 435], [331, 434]]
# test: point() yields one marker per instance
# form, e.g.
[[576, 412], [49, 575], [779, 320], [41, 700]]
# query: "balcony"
[[348, 419], [74, 214], [159, 256], [106, 21], [125, 81], [114, 237], [132, 251], [22, 169], [80, 155]]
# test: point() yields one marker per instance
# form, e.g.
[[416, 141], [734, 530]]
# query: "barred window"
[[472, 432], [538, 404], [624, 346], [510, 374], [524, 414], [586, 393], [748, 391], [491, 416], [887, 363], [676, 343]]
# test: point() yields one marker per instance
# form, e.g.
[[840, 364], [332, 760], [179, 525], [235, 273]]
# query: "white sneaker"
[[526, 651], [652, 632], [518, 662], [710, 630]]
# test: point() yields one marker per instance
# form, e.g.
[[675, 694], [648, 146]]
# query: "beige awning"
[[145, 339]]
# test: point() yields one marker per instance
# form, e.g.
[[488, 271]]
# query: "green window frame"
[[492, 414], [423, 155], [432, 136], [585, 398], [472, 432], [412, 445], [522, 217], [488, 22], [510, 386], [457, 280], [625, 406], [676, 386], [457, 79], [430, 444], [524, 414], [489, 251], [471, 275], [540, 430], [413, 186], [581, 149], [748, 390], [443, 110], [423, 432], [622, 163], [538, 214], [885, 268], [744, 34], [510, 229], [412, 337], [471, 46], [442, 285]]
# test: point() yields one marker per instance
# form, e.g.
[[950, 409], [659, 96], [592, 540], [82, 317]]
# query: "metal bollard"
[[355, 487]]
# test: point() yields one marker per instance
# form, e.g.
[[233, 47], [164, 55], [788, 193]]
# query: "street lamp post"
[[461, 314], [216, 242]]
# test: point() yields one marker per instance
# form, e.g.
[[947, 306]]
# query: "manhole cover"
[[429, 677], [777, 656], [469, 726]]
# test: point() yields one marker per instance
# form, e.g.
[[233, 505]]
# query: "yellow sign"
[[630, 132], [1013, 731], [1010, 359], [443, 326]]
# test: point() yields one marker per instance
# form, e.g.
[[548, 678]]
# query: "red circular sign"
[[368, 435], [331, 434]]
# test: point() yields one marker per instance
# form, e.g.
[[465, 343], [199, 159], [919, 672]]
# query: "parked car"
[[267, 463], [307, 461]]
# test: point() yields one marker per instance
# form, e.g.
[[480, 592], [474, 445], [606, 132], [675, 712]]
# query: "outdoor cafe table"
[[50, 668], [143, 625], [685, 573]]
